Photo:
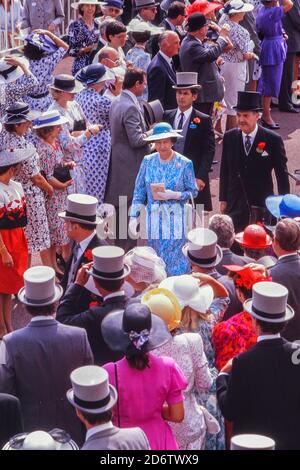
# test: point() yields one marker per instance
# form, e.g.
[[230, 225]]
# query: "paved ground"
[[289, 130]]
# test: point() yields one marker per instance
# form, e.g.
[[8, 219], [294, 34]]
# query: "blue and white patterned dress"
[[165, 230], [97, 150], [15, 91], [81, 36], [43, 69], [141, 60]]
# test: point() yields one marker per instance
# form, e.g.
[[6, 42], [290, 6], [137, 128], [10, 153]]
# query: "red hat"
[[202, 6], [254, 237], [247, 276]]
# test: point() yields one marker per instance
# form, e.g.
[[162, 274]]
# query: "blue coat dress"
[[166, 220]]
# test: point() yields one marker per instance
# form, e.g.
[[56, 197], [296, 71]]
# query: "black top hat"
[[196, 21], [248, 101], [117, 328], [19, 112]]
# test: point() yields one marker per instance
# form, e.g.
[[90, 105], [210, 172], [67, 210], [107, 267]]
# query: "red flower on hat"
[[88, 255], [196, 120], [248, 277], [261, 147]]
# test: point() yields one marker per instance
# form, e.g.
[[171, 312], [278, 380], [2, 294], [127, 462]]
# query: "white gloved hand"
[[169, 194], [132, 227]]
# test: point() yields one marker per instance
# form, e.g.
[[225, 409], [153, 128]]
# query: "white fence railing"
[[11, 15]]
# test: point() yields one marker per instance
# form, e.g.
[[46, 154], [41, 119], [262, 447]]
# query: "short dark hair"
[[43, 132], [113, 28], [111, 285], [32, 52], [270, 328], [176, 9], [10, 127], [84, 226], [45, 310], [92, 418], [287, 234], [4, 169], [141, 37], [132, 76]]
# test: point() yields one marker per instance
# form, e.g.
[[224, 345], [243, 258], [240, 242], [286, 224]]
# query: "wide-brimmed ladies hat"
[[19, 112], [49, 119], [269, 303], [91, 391], [202, 6], [108, 263], [284, 206], [65, 82], [202, 248], [85, 2], [237, 6], [134, 326], [56, 439], [145, 265], [163, 303], [254, 237], [40, 288], [81, 208], [162, 130], [138, 26], [189, 293], [13, 156], [10, 73], [93, 74], [42, 42]]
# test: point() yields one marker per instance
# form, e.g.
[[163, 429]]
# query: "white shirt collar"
[[84, 243], [113, 294], [41, 317], [132, 96], [266, 337], [101, 427], [187, 115], [290, 254], [252, 134], [167, 58]]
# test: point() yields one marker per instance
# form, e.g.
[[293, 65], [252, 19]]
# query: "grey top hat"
[[40, 288], [202, 248], [91, 391], [145, 4], [109, 263], [81, 208], [186, 80], [153, 112], [251, 442], [269, 303]]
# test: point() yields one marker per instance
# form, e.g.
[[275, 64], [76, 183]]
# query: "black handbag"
[[62, 174]]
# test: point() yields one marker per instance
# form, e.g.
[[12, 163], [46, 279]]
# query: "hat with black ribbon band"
[[202, 260], [92, 405], [6, 72]]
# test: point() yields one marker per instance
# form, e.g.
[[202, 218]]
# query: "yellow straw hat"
[[165, 305]]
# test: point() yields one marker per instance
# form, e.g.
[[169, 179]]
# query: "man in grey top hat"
[[259, 391], [94, 399], [36, 361]]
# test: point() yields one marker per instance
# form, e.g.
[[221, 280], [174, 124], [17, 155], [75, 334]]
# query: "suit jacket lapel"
[[168, 69], [259, 137], [188, 136]]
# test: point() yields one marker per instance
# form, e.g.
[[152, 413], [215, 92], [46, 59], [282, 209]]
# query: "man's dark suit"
[[230, 258], [287, 272], [199, 146], [161, 77], [11, 422], [262, 393], [90, 320], [246, 180]]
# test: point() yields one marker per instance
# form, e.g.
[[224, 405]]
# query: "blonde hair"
[[190, 318]]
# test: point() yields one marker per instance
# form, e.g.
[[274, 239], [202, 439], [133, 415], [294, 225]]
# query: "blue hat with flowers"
[[163, 130], [42, 42], [284, 206]]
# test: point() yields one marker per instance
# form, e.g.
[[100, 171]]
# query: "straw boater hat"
[[67, 83], [135, 322], [85, 2], [19, 112], [269, 303], [186, 80], [56, 439], [91, 392], [163, 303], [251, 442], [10, 73], [202, 248], [40, 288], [49, 119], [81, 208], [162, 130], [108, 263]]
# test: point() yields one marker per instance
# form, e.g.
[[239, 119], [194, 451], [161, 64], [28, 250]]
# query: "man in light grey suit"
[[94, 399], [287, 270], [128, 130], [36, 361]]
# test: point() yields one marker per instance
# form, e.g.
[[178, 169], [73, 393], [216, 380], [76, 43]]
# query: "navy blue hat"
[[196, 21], [284, 206], [113, 3], [93, 74], [42, 42]]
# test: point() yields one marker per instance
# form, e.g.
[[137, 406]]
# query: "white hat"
[[202, 248], [81, 208], [189, 293], [56, 439], [138, 26], [85, 2], [251, 442], [145, 265], [91, 391], [15, 155], [40, 288], [237, 6], [269, 303], [108, 263], [10, 73], [49, 118]]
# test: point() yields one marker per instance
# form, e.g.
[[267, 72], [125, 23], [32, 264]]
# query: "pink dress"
[[142, 395]]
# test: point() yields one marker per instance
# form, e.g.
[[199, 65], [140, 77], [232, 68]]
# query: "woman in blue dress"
[[273, 54], [165, 182], [44, 51], [96, 110], [83, 34]]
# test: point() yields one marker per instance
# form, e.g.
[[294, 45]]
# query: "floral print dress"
[[81, 36], [16, 91], [97, 150]]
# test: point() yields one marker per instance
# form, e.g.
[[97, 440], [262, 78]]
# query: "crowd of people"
[[149, 330]]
